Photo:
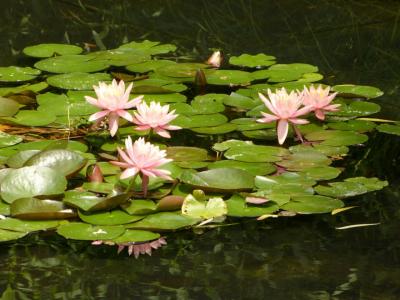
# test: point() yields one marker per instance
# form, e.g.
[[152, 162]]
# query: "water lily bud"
[[200, 78], [215, 59], [94, 174]]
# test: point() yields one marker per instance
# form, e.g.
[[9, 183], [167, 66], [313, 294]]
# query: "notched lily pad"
[[17, 74], [312, 204], [352, 90], [252, 61], [48, 50], [87, 232], [164, 221], [237, 207]]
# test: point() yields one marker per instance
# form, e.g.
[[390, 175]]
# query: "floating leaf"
[[255, 153], [357, 90], [114, 217], [337, 137], [312, 204], [26, 226], [164, 221], [181, 70], [140, 207], [148, 66], [321, 172], [48, 50], [200, 120], [252, 168], [37, 209], [17, 74], [31, 118], [18, 159], [7, 235], [91, 202], [149, 47], [8, 107], [136, 236], [389, 128], [219, 129], [66, 162], [82, 231], [181, 153], [222, 180], [241, 102], [7, 140], [237, 207], [213, 208], [228, 77], [353, 125], [71, 64], [77, 80], [37, 87], [252, 61], [32, 181]]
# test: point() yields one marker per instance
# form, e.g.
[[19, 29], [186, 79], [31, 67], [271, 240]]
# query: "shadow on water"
[[300, 258]]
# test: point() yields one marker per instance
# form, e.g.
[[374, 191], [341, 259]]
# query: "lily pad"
[[237, 207], [18, 159], [71, 64], [219, 129], [31, 118], [228, 77], [136, 236], [32, 181], [212, 208], [8, 235], [114, 217], [241, 102], [219, 180], [149, 47], [148, 66], [181, 153], [88, 201], [164, 221], [200, 120], [357, 90], [8, 107], [7, 140], [252, 61], [140, 207], [26, 226], [17, 74], [181, 70], [87, 232], [389, 128], [252, 168], [77, 80], [337, 137], [37, 209], [48, 50], [37, 87], [255, 153], [312, 204], [65, 161]]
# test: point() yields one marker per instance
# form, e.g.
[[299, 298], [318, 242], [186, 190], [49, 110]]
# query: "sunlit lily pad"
[[148, 66], [38, 209], [241, 102], [212, 208], [18, 159], [117, 57], [200, 120], [48, 50], [17, 74], [221, 179], [8, 235], [163, 98], [140, 207], [164, 221], [136, 236], [337, 137], [9, 139], [88, 201], [8, 107], [32, 181], [357, 90], [312, 204], [223, 146], [268, 182], [353, 125], [389, 128], [37, 87], [301, 160], [181, 70], [62, 105], [256, 153], [114, 217], [26, 225], [356, 109], [71, 64], [77, 80], [252, 61], [181, 153], [149, 47], [82, 231], [251, 167], [31, 118], [321, 172], [219, 129], [237, 207], [288, 72], [228, 77]]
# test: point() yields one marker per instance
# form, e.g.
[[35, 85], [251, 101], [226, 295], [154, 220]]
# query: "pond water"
[[296, 258]]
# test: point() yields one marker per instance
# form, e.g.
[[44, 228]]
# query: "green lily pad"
[[228, 77], [163, 98], [61, 105], [31, 118], [321, 172], [180, 70], [48, 50], [356, 109], [255, 153], [301, 160], [18, 159], [66, 162], [7, 235], [114, 217], [252, 61], [32, 181], [118, 57], [219, 129], [352, 90], [237, 207], [89, 202], [372, 183], [200, 120], [181, 153], [77, 80], [48, 144], [26, 225], [4, 207], [71, 64], [251, 167], [245, 124], [219, 180], [148, 66], [223, 146], [37, 87], [8, 107], [337, 137], [288, 72], [136, 236], [149, 47], [213, 208], [241, 102], [139, 207], [37, 209], [312, 204], [87, 232], [17, 74], [269, 182], [7, 140], [164, 221], [387, 128], [353, 125]]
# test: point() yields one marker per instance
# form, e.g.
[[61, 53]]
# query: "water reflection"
[[301, 258]]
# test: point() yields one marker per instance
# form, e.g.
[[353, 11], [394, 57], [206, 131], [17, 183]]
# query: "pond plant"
[[118, 147]]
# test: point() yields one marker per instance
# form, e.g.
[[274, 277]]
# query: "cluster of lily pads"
[[62, 172]]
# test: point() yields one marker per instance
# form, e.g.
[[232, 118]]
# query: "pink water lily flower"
[[285, 109], [142, 158], [113, 100], [319, 99], [156, 117]]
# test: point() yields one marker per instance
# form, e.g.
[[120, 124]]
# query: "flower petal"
[[282, 131]]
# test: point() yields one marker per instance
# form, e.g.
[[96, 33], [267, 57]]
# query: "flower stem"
[[131, 183], [298, 133], [145, 183]]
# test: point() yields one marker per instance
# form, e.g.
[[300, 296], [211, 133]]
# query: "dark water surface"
[[301, 258]]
